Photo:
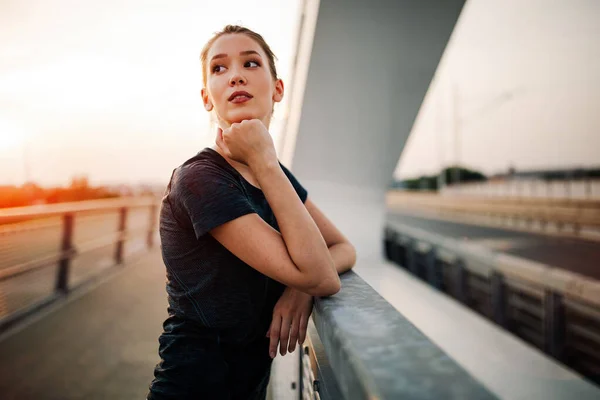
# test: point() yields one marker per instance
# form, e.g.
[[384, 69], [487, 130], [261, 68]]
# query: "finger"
[[302, 328], [284, 336], [275, 327], [219, 140], [294, 334]]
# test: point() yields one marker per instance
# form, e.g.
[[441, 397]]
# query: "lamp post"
[[458, 121]]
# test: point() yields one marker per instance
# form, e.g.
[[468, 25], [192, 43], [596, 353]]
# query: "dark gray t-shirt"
[[206, 283]]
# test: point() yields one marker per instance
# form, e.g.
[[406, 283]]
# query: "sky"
[[111, 89], [522, 78]]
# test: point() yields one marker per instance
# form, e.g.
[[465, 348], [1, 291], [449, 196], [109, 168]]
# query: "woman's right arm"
[[298, 257]]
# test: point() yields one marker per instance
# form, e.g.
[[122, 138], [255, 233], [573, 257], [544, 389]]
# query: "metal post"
[[121, 238], [554, 324], [62, 278], [387, 244], [498, 289], [411, 257], [303, 350], [433, 275], [456, 130], [398, 250], [153, 218], [461, 287]]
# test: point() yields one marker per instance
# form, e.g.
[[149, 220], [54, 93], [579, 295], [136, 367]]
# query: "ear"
[[278, 91], [207, 103]]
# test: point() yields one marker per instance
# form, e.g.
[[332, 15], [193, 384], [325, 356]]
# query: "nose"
[[237, 79]]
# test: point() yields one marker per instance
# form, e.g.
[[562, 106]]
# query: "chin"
[[241, 115]]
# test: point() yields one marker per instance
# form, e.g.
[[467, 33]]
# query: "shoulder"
[[204, 168]]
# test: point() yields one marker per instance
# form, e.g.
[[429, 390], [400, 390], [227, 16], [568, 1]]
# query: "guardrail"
[[558, 188], [359, 347], [555, 310], [577, 213], [36, 239]]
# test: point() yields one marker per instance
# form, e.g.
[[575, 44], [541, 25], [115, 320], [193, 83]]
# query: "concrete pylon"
[[361, 74]]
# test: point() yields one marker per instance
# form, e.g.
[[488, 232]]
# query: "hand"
[[247, 142], [290, 319]]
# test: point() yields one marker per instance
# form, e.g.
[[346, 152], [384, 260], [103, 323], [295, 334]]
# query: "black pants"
[[196, 364]]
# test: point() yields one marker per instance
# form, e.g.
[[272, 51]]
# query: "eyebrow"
[[242, 53]]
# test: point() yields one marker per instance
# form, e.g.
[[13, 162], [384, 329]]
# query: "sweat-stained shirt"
[[206, 283]]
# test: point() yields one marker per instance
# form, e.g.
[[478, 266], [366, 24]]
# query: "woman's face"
[[236, 64]]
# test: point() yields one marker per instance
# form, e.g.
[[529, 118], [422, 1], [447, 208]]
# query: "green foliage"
[[430, 182]]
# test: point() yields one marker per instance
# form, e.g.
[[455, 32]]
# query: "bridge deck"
[[99, 345]]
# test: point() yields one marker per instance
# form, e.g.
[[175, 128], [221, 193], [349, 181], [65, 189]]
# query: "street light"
[[459, 121]]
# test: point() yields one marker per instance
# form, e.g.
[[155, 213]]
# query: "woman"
[[244, 248]]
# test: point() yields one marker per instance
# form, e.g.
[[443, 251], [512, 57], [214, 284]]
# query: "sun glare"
[[11, 136]]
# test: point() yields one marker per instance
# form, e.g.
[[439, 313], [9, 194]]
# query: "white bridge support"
[[362, 70]]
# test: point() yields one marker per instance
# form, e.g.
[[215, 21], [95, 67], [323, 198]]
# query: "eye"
[[216, 68], [252, 64]]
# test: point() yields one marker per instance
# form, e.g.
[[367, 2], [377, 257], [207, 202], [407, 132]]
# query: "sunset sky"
[[111, 89]]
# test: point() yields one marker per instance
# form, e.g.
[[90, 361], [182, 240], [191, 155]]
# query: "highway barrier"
[[54, 249], [562, 213], [553, 309]]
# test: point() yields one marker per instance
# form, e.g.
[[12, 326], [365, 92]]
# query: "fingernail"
[[272, 354]]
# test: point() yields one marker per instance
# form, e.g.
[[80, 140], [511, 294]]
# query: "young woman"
[[244, 248]]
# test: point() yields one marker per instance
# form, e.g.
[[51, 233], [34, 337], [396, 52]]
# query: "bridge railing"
[[359, 347], [574, 213], [553, 309], [46, 251]]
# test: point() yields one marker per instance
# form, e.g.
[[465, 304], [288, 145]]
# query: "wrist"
[[263, 163]]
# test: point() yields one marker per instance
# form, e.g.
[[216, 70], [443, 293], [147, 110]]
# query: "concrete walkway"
[[99, 345]]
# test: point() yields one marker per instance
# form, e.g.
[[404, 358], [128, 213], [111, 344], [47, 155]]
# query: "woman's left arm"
[[293, 309], [341, 250]]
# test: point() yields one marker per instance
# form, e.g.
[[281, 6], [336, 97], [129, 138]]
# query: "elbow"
[[327, 287], [352, 255]]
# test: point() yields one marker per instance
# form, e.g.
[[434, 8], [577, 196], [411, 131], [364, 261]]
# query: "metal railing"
[[553, 309], [47, 251], [574, 213], [359, 346]]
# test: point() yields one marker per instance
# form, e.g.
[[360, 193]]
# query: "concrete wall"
[[362, 72]]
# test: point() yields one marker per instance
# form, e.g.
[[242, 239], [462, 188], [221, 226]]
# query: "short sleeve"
[[302, 193], [209, 195]]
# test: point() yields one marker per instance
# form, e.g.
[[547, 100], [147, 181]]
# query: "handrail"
[[360, 332], [50, 210], [486, 262], [577, 213], [68, 249], [522, 200]]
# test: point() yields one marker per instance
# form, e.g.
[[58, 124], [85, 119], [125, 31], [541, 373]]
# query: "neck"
[[226, 124]]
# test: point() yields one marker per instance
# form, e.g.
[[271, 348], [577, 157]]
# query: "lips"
[[242, 94]]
